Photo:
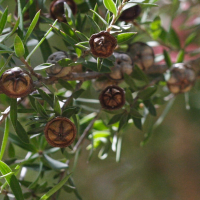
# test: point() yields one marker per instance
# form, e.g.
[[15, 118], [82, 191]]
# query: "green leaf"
[[13, 112], [174, 38], [69, 15], [99, 64], [149, 105], [190, 38], [57, 108], [137, 122], [40, 109], [147, 93], [135, 113], [11, 150], [68, 30], [12, 181], [5, 138], [32, 26], [3, 20], [64, 62], [115, 119], [21, 133], [57, 165], [139, 74], [68, 112], [43, 66], [19, 47], [130, 82], [82, 36], [14, 139], [55, 188], [110, 5], [32, 102], [104, 22], [94, 25], [123, 37], [65, 84], [167, 58], [46, 97], [78, 93], [180, 56]]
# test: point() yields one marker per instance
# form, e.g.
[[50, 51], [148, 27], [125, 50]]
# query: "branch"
[[86, 131]]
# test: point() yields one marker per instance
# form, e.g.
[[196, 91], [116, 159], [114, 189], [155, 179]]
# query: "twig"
[[86, 131], [38, 76], [116, 17]]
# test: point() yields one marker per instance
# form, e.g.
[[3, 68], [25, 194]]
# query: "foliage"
[[73, 95]]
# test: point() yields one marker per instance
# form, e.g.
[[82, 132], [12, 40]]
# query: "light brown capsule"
[[102, 44], [123, 64], [130, 13], [182, 78], [142, 55], [60, 132], [16, 82], [56, 70], [57, 9], [112, 98]]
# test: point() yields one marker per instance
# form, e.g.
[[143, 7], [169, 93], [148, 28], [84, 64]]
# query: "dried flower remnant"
[[130, 14], [182, 78], [57, 9], [112, 98], [56, 70], [16, 82], [142, 55], [60, 132], [102, 44], [123, 64]]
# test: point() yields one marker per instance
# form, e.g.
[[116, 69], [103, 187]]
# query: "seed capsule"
[[123, 64], [102, 44], [60, 132], [16, 82], [112, 98], [182, 78], [56, 70], [130, 14], [57, 9], [142, 55]]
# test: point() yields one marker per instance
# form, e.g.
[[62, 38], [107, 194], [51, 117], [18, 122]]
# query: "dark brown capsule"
[[112, 98], [142, 55], [130, 14], [182, 78], [102, 44], [57, 9], [60, 132], [16, 82]]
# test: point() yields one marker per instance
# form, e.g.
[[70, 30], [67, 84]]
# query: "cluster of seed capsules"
[[60, 131]]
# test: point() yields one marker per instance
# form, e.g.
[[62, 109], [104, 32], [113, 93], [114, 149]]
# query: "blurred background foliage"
[[168, 166]]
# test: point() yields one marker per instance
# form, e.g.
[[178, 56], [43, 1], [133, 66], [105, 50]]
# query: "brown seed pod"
[[102, 44], [123, 64], [112, 98], [182, 78], [142, 55], [16, 82], [130, 14], [56, 70], [60, 132], [57, 9]]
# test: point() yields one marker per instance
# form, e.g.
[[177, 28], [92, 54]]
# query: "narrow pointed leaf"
[[19, 47], [3, 20], [123, 37], [21, 132], [55, 188], [12, 181], [110, 5]]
